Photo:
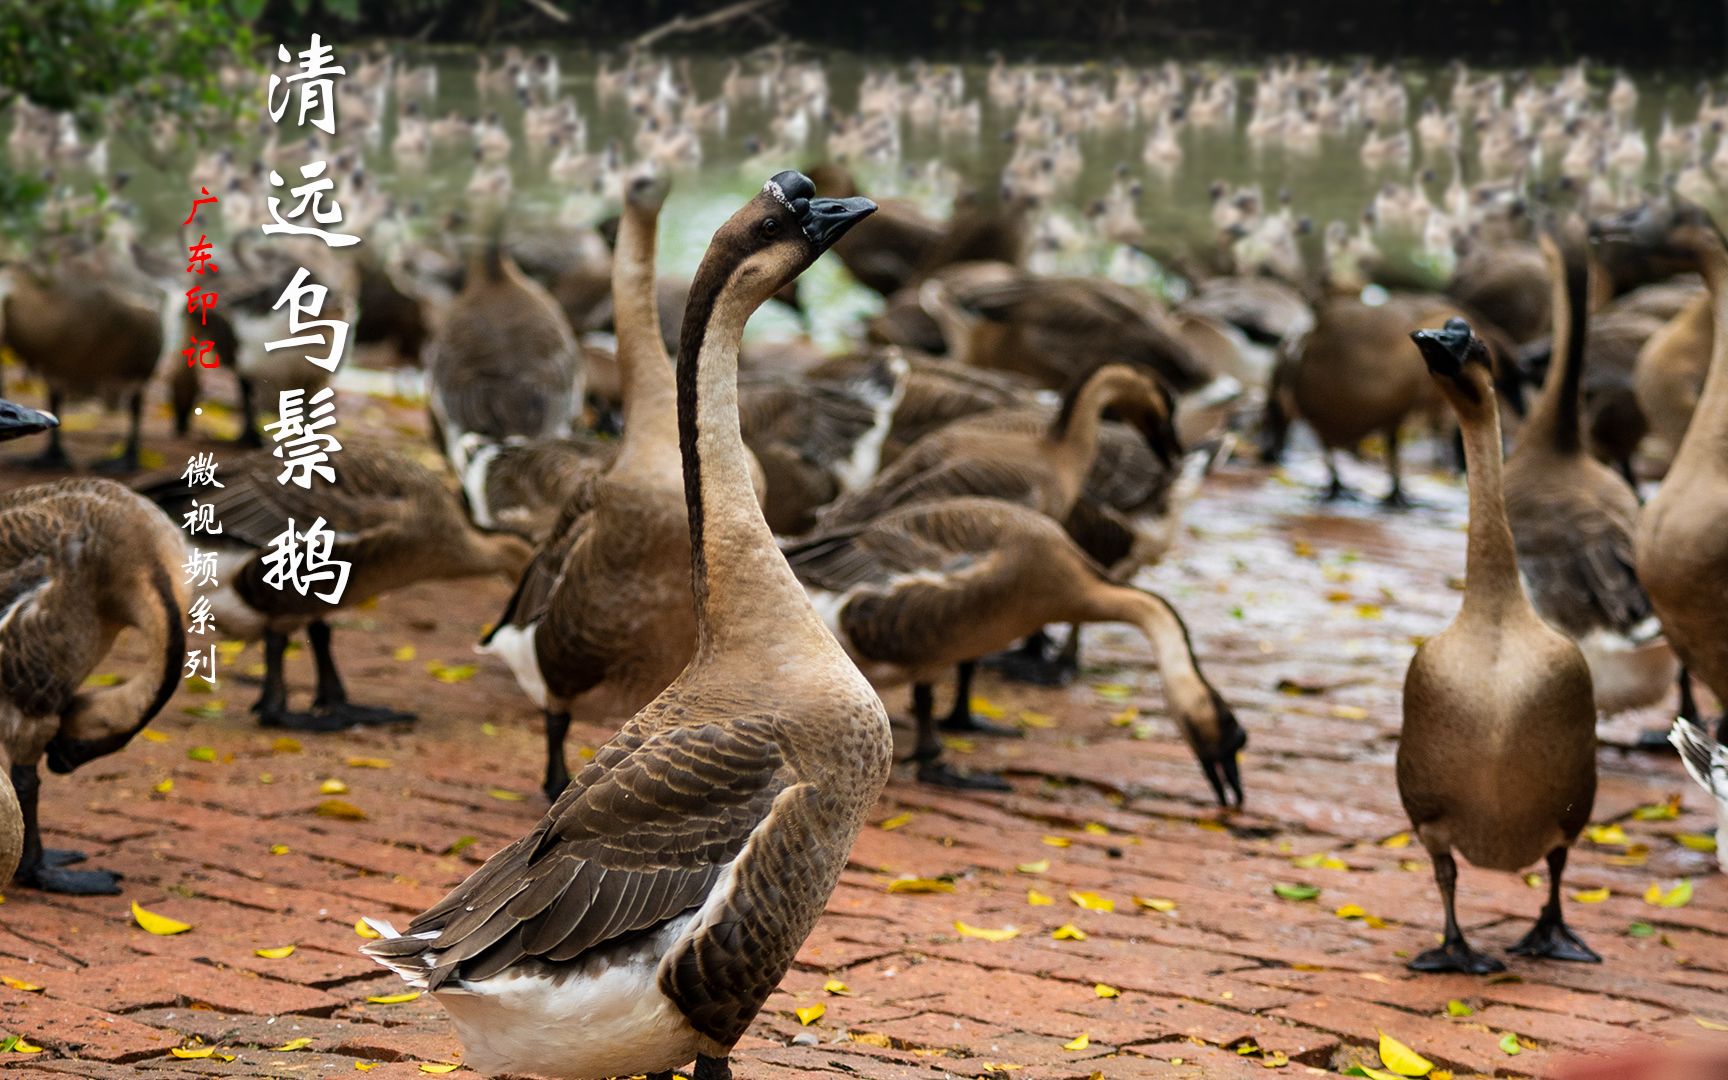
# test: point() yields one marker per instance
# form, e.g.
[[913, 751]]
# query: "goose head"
[[1669, 230], [17, 422], [1216, 738], [1460, 363], [777, 235]]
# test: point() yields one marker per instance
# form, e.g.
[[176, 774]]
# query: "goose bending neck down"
[[647, 918]]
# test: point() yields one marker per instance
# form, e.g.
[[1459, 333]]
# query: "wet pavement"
[[1103, 920]]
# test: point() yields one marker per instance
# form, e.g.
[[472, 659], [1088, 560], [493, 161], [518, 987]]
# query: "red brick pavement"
[[1305, 622]]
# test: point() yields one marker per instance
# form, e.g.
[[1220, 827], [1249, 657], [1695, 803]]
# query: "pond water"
[[1328, 184]]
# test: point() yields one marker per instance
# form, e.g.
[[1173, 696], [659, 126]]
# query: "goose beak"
[[825, 221], [1445, 349], [16, 421]]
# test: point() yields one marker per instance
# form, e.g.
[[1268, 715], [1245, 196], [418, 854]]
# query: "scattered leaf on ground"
[[201, 753], [1592, 896], [1105, 990], [451, 673], [342, 811], [20, 984], [835, 986], [367, 763], [1039, 867], [1056, 841], [1068, 932], [160, 925], [1287, 891], [292, 1045], [365, 931], [1678, 896], [1038, 899], [437, 1068], [809, 1014], [920, 885], [394, 999], [895, 822], [1007, 933], [1401, 1059], [1091, 901], [1696, 841], [280, 952], [192, 1051], [1458, 1008], [1079, 1042], [332, 786], [1509, 1044]]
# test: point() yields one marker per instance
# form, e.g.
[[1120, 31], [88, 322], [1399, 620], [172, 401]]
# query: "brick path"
[[1304, 621]]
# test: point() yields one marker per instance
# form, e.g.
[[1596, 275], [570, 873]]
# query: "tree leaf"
[[809, 1014], [920, 885], [1007, 933], [1079, 1042], [1105, 990], [160, 925], [1401, 1059], [280, 952], [1458, 1008], [1068, 932], [340, 810], [1592, 896], [394, 999], [1091, 901], [1295, 892], [896, 822], [1509, 1044], [293, 1044]]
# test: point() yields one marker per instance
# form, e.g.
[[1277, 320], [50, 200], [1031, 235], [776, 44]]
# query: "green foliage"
[[132, 59]]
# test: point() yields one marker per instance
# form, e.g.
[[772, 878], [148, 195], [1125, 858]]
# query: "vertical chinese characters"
[[200, 523]]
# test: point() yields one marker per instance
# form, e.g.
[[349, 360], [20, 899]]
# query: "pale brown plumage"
[[754, 769], [1497, 760], [80, 561]]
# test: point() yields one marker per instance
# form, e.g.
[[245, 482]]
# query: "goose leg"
[[712, 1068], [1395, 498], [1031, 663], [272, 703], [557, 768], [53, 455], [1335, 490], [128, 459], [40, 868], [1551, 937], [1454, 954], [331, 700], [931, 769], [961, 717]]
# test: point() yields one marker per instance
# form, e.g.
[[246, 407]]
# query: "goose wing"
[[1580, 567], [42, 635], [1703, 757], [931, 471], [645, 833]]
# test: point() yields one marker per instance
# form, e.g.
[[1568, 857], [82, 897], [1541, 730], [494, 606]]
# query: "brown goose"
[[87, 335], [1682, 551], [647, 918], [393, 520], [927, 587], [1572, 519], [504, 366], [80, 560], [1670, 375], [1497, 760], [608, 651]]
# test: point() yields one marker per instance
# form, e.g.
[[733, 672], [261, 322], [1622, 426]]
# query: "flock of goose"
[[729, 550]]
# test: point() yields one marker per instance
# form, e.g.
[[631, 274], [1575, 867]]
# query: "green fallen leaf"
[[1295, 892]]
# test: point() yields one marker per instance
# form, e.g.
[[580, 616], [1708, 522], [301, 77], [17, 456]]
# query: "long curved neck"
[[1705, 447], [1074, 431], [1553, 422], [746, 596], [650, 443], [1491, 583]]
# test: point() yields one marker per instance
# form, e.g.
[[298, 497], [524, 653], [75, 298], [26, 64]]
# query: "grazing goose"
[[504, 366], [646, 919], [1708, 763], [1497, 760], [927, 587], [86, 335], [1681, 549], [393, 520], [601, 621], [80, 561], [1572, 519]]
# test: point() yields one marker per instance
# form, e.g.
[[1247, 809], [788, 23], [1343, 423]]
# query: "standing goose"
[[601, 621], [80, 561], [1572, 519], [1681, 547], [644, 922], [504, 366], [926, 587], [1498, 755], [393, 520]]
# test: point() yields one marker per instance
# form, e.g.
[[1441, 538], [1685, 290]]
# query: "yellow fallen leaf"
[[1455, 1007], [1350, 911], [332, 786], [1591, 896], [1007, 933], [160, 925], [920, 885], [1709, 1025], [367, 763], [451, 673], [1663, 811], [285, 745], [229, 649], [152, 735], [1039, 867], [1396, 840], [1038, 720], [279, 849], [1320, 859], [1349, 712], [394, 999], [280, 952], [438, 1068], [835, 986], [342, 811], [1038, 899], [1091, 901], [365, 931], [809, 1014], [163, 787], [896, 822], [1068, 932], [1056, 841], [993, 1067], [1274, 1059], [1079, 1042], [959, 744], [404, 653], [1401, 1059], [1368, 611], [1155, 903], [292, 1045], [505, 794], [20, 984], [20, 1046], [986, 708], [192, 1052], [1606, 835], [1696, 841], [872, 1038], [1678, 896], [1125, 717], [367, 1066], [1104, 990]]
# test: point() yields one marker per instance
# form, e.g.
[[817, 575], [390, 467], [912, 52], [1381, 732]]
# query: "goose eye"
[[770, 228]]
